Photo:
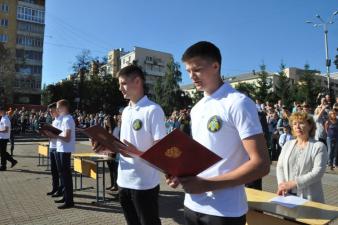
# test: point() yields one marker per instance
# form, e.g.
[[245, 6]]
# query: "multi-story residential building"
[[22, 24], [114, 61], [294, 74], [152, 62]]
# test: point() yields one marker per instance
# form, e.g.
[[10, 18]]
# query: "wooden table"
[[262, 211], [88, 164]]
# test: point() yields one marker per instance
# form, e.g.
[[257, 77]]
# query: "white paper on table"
[[289, 201]]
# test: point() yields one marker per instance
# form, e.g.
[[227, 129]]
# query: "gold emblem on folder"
[[173, 152]]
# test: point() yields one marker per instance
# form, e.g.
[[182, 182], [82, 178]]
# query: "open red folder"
[[47, 127], [176, 154]]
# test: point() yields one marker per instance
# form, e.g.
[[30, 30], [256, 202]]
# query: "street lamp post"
[[325, 25]]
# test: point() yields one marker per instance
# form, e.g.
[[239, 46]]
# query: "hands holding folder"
[[176, 154]]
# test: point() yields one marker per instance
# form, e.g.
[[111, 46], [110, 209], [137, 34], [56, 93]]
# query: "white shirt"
[[142, 125], [57, 124], [67, 123], [220, 122], [5, 122]]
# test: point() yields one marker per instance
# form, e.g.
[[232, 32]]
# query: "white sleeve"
[[244, 116], [8, 123], [157, 123], [69, 124]]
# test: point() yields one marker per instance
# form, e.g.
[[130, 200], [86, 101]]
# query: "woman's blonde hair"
[[303, 117]]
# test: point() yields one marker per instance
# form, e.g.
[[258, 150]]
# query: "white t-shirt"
[[142, 125], [67, 123], [220, 122], [5, 122], [57, 124]]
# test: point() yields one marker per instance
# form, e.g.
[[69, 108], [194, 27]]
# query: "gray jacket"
[[313, 166]]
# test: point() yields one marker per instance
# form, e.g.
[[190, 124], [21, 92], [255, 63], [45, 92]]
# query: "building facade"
[[293, 73], [22, 25], [152, 62]]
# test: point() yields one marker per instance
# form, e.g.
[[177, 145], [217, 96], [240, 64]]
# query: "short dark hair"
[[131, 71], [204, 50], [65, 103], [52, 105]]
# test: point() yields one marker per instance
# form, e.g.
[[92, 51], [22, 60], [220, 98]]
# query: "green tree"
[[167, 91], [197, 95], [247, 88], [7, 74], [81, 67], [46, 95], [307, 88], [263, 85], [283, 87]]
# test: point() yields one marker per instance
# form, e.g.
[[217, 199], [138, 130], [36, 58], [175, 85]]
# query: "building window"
[[29, 1], [28, 69], [3, 38], [25, 54], [4, 22], [31, 15], [4, 7], [29, 41], [30, 27]]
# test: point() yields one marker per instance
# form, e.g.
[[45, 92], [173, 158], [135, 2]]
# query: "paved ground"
[[23, 197]]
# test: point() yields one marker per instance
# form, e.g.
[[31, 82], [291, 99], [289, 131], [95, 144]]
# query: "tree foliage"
[[167, 92], [263, 86], [7, 74], [283, 86]]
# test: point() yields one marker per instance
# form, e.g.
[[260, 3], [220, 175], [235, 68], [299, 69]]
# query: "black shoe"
[[3, 168], [60, 201], [14, 163], [108, 188], [57, 194], [52, 192], [114, 188], [66, 206]]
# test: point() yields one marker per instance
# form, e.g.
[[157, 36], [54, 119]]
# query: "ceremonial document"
[[177, 154], [47, 127], [288, 201]]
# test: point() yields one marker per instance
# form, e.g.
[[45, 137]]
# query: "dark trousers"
[[5, 156], [65, 174], [140, 207], [11, 139], [195, 218], [113, 166], [54, 169]]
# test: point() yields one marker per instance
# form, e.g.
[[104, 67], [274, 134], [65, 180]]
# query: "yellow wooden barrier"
[[85, 167]]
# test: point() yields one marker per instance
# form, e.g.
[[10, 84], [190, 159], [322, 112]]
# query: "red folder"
[[47, 127], [105, 139], [176, 154]]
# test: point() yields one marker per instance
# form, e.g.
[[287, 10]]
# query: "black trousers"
[[140, 207], [113, 166], [54, 169], [5, 156], [195, 218], [65, 174]]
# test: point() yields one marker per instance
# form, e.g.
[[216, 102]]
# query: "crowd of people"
[[247, 136], [278, 129]]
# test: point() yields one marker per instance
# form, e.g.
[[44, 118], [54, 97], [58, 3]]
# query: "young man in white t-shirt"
[[5, 130], [226, 122], [56, 184], [142, 126], [65, 145]]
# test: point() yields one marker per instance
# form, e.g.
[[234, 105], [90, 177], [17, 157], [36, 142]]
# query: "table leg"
[[104, 180], [75, 177], [97, 182]]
